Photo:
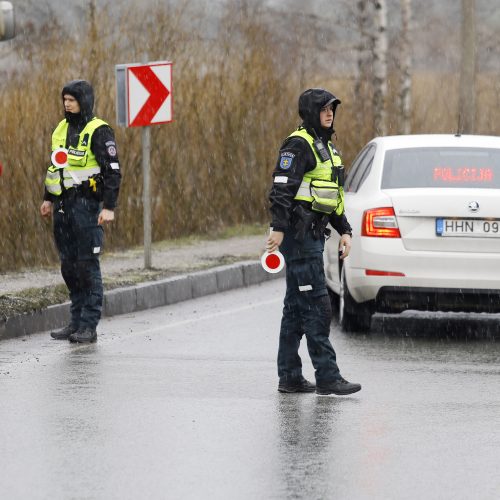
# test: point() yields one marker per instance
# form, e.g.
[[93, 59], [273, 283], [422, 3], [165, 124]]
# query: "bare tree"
[[380, 67], [364, 55], [406, 67], [467, 98]]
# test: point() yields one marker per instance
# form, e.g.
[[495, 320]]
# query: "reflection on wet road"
[[181, 402]]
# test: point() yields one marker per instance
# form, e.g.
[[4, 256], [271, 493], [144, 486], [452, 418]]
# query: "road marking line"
[[210, 316]]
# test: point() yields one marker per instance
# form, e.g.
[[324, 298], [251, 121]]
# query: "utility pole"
[[467, 96]]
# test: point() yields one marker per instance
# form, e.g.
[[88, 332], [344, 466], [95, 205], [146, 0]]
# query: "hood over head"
[[83, 92], [310, 104]]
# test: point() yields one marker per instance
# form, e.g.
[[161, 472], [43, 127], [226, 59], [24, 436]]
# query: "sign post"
[[144, 98], [146, 194]]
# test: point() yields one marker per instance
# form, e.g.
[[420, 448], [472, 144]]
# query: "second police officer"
[[306, 195], [74, 194]]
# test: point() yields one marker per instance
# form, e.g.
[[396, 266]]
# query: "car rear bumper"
[[453, 272], [430, 290]]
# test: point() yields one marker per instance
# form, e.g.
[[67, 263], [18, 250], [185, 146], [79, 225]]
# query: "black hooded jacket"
[[296, 158], [103, 143]]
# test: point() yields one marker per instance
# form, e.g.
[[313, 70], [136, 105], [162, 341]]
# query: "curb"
[[145, 296]]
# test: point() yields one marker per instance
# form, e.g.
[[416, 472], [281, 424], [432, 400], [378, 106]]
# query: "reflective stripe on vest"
[[82, 163], [322, 172]]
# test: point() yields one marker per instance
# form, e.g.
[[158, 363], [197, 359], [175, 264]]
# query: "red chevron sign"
[[149, 90]]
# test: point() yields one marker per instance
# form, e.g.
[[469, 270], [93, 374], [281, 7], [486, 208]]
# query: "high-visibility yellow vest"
[[317, 186], [82, 163]]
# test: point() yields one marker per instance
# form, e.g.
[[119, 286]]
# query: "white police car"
[[425, 214]]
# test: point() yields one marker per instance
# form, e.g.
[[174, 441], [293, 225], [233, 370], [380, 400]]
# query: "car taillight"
[[380, 222]]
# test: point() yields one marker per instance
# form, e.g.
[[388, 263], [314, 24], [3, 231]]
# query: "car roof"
[[436, 140]]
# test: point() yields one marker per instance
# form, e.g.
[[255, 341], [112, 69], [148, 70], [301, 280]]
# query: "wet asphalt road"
[[181, 403]]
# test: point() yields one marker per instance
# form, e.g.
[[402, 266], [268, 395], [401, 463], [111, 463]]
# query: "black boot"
[[64, 333], [340, 387], [296, 385], [84, 335]]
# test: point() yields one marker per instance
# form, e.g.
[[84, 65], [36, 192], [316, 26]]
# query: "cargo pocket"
[[92, 243], [310, 277], [97, 241], [318, 272]]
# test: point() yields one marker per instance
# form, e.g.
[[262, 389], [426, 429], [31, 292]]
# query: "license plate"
[[478, 228]]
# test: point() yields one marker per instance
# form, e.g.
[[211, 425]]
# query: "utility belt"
[[91, 188], [305, 221]]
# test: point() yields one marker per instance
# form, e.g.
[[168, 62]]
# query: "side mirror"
[[7, 24]]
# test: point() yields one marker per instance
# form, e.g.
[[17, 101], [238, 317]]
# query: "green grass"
[[31, 300]]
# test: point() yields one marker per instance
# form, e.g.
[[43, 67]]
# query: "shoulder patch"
[[286, 160], [111, 149]]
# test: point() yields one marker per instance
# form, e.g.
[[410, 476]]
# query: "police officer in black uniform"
[[306, 195], [82, 197]]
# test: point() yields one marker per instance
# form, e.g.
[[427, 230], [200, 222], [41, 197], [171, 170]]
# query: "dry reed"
[[235, 99]]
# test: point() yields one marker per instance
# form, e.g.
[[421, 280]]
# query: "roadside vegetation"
[[235, 99]]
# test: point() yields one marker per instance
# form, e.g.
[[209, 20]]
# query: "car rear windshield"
[[442, 167]]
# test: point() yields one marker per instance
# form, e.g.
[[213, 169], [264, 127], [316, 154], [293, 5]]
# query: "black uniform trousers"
[[79, 241], [307, 311]]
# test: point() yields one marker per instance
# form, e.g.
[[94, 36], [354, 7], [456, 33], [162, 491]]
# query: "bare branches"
[[406, 68], [380, 67]]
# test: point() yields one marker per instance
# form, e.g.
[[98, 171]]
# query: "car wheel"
[[353, 317]]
